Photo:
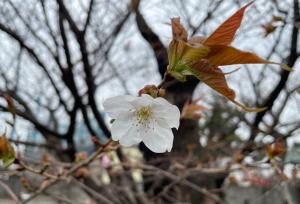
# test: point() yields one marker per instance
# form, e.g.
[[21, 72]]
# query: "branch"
[[89, 78], [10, 192], [28, 26], [40, 127], [96, 194], [34, 56], [69, 18], [181, 180], [162, 60], [33, 144], [89, 14], [283, 76], [158, 48], [207, 17], [71, 171]]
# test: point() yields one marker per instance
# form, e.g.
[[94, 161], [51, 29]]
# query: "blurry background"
[[60, 59]]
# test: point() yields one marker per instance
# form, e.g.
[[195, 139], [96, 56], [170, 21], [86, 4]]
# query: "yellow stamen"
[[143, 114]]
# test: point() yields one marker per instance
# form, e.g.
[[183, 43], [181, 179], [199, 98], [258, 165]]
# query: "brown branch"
[[89, 14], [40, 127], [33, 144], [28, 26], [40, 172], [207, 17], [71, 171], [182, 181], [283, 76], [47, 22], [89, 78], [10, 192], [27, 114], [34, 56], [96, 194], [157, 46], [68, 78], [69, 18], [106, 44]]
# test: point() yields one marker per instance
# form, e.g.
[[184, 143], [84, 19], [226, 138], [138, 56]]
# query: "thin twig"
[[69, 172], [10, 192], [41, 172], [97, 195], [182, 181]]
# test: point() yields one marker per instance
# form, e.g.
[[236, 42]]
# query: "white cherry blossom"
[[143, 119]]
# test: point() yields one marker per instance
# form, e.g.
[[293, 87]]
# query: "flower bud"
[[153, 91]]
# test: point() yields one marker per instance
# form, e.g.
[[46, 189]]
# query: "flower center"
[[143, 114]]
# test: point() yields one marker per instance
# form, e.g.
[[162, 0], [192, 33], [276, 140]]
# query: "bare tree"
[[70, 54], [60, 58]]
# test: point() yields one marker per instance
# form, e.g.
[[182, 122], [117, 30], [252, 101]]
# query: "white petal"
[[119, 129], [144, 100], [118, 105], [132, 137], [165, 110], [124, 131], [160, 140]]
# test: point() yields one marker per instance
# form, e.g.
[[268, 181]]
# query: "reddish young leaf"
[[221, 55], [215, 78], [200, 56], [268, 28], [275, 149], [178, 31], [224, 34], [7, 153], [10, 105], [192, 110]]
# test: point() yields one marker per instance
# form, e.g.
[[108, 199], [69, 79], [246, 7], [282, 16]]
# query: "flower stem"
[[166, 78]]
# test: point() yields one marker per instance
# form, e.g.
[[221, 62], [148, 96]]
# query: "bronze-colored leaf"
[[178, 31], [7, 153], [220, 55], [224, 34], [215, 78], [10, 105]]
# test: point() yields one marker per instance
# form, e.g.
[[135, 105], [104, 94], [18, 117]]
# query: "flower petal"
[[224, 34], [118, 105], [125, 132], [166, 111], [121, 126], [144, 100], [132, 137], [160, 140]]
